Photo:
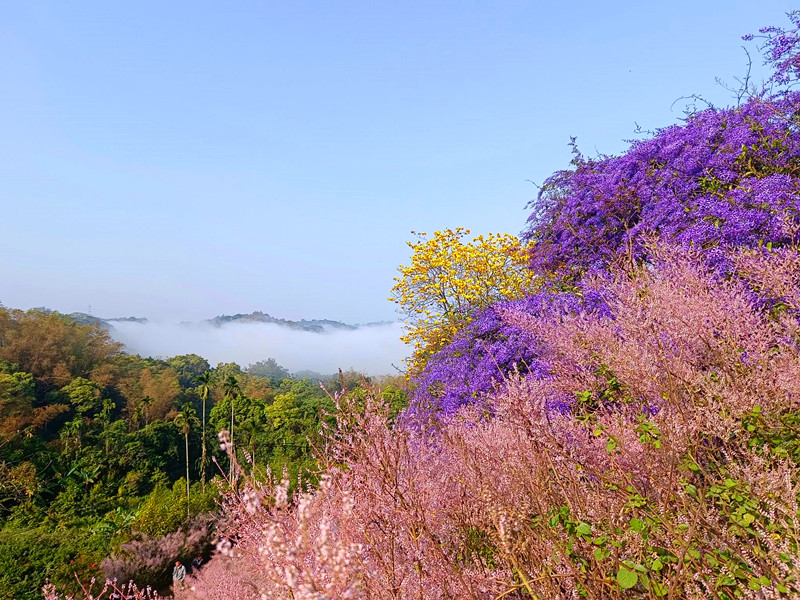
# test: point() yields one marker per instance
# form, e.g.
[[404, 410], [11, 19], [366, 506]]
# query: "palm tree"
[[251, 428], [205, 385], [232, 392], [141, 410], [71, 432], [184, 421]]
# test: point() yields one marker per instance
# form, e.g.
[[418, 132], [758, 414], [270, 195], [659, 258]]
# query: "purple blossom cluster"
[[780, 49], [724, 179], [480, 357]]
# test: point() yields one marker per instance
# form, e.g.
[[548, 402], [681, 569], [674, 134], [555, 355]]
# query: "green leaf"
[[658, 589], [637, 525], [600, 554], [626, 578], [584, 529], [657, 565]]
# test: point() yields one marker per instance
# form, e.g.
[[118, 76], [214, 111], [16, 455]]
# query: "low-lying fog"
[[371, 349]]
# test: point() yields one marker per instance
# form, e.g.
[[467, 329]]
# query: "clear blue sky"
[[180, 160]]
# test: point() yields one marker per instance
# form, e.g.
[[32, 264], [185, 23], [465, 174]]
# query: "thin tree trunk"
[[203, 458], [233, 448], [186, 436]]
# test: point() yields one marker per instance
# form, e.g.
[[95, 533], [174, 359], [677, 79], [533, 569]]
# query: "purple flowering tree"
[[477, 361], [724, 179]]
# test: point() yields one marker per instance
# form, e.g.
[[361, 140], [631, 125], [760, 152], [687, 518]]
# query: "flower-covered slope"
[[723, 182]]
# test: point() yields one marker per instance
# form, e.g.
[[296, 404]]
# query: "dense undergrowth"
[[629, 430]]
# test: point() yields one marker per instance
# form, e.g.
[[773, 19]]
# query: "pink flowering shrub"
[[142, 566], [110, 590], [149, 561], [674, 474], [772, 279]]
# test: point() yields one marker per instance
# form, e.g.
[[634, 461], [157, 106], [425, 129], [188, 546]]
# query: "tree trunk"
[[186, 436], [232, 454], [203, 457]]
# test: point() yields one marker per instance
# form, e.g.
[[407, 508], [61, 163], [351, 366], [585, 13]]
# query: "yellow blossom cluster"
[[449, 278]]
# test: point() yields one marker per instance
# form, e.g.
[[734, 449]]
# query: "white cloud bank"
[[371, 350]]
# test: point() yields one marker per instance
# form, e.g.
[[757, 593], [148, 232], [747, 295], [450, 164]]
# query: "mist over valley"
[[319, 345]]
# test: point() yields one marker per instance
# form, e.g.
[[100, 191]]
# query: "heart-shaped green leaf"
[[626, 578]]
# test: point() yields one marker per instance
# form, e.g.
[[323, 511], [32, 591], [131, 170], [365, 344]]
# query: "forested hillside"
[[94, 443]]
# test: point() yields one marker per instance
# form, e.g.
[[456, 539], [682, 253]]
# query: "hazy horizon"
[[372, 350]]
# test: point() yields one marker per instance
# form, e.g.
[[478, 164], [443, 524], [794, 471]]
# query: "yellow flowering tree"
[[449, 278]]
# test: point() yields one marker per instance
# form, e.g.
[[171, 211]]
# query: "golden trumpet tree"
[[449, 278]]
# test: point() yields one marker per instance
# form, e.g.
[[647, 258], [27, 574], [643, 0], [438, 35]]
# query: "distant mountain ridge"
[[310, 325], [87, 319], [313, 325]]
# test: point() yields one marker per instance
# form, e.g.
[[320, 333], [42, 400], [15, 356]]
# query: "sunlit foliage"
[[449, 278]]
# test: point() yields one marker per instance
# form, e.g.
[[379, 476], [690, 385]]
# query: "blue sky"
[[180, 160]]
